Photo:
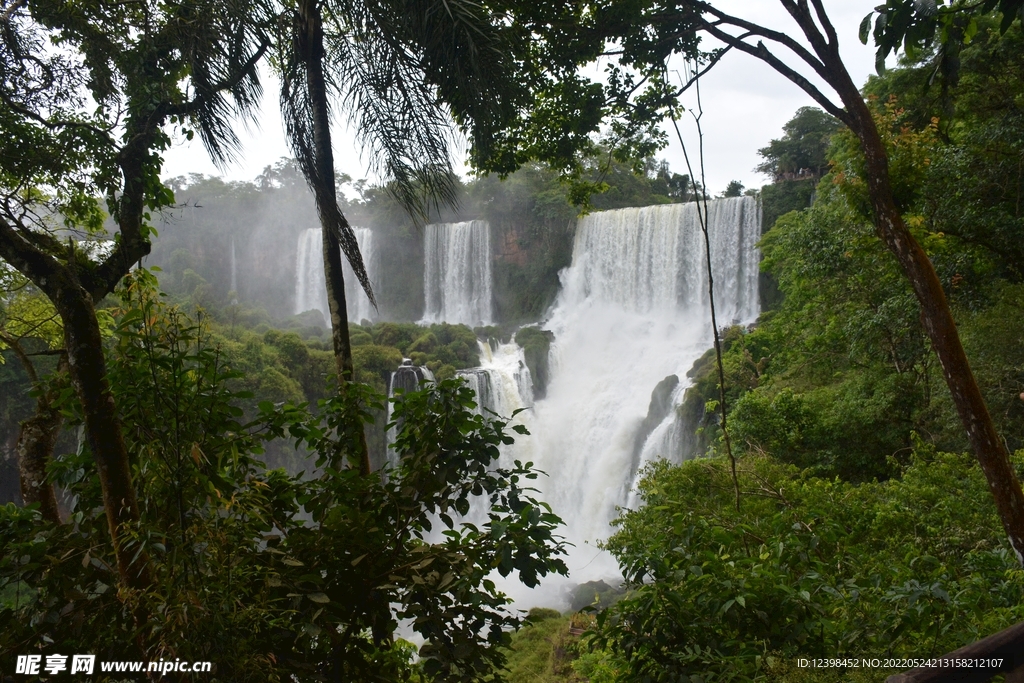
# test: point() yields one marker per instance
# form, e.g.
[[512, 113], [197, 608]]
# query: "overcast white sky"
[[745, 105]]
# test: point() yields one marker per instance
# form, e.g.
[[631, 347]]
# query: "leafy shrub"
[[270, 576], [807, 567]]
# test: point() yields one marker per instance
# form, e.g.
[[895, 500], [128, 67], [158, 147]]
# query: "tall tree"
[[189, 63]]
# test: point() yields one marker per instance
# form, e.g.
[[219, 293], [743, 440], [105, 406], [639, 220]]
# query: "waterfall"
[[457, 273], [502, 383], [234, 273], [407, 377], [632, 312], [310, 286], [234, 269]]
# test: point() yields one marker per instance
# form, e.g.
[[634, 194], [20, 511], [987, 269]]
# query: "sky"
[[745, 104]]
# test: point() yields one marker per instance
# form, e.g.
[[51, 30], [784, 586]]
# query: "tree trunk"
[[87, 368], [37, 437], [36, 440], [988, 447], [102, 426], [325, 193]]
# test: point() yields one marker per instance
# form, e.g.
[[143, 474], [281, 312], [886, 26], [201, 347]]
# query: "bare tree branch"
[[764, 54], [11, 9]]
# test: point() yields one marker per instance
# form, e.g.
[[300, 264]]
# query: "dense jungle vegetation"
[[856, 523]]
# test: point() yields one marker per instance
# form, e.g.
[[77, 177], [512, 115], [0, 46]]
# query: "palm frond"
[[221, 42], [297, 112]]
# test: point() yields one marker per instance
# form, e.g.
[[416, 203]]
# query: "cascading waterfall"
[[502, 383], [633, 311], [406, 378], [311, 287], [457, 273]]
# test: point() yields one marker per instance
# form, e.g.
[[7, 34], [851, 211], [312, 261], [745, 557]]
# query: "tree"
[[733, 189], [803, 147], [147, 65], [668, 28], [272, 576]]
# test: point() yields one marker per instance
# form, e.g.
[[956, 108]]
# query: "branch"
[[53, 125], [105, 277], [9, 12], [28, 259], [802, 15], [765, 55], [30, 368], [43, 241], [756, 29], [683, 87], [830, 30]]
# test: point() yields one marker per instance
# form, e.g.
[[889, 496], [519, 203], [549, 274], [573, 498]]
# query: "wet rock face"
[[407, 377], [657, 411], [536, 345]]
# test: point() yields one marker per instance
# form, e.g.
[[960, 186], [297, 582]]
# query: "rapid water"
[[457, 273], [632, 317], [632, 311], [502, 383], [310, 286]]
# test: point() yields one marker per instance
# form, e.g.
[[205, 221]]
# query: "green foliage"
[[992, 339], [594, 595], [779, 199], [743, 362], [846, 347], [917, 27], [803, 146], [843, 375], [374, 364], [272, 576], [439, 344], [807, 567], [733, 189], [543, 651]]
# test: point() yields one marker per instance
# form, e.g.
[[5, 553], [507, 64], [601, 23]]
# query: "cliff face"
[[527, 260], [509, 250]]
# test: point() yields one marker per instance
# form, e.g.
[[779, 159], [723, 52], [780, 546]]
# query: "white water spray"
[[502, 383], [234, 269], [633, 310], [457, 273], [311, 287]]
